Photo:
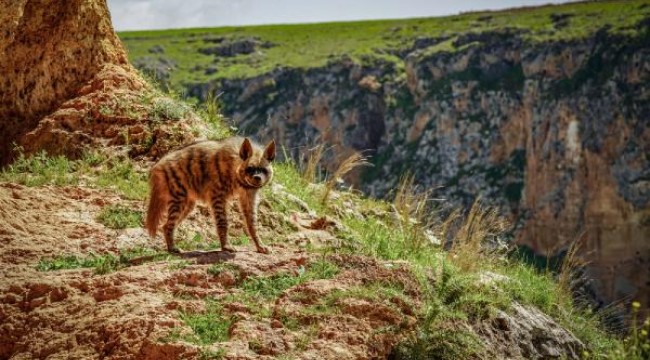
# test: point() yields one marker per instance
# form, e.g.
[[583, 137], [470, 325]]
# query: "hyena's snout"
[[258, 179]]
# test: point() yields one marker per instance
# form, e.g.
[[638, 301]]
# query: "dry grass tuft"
[[414, 213], [313, 160], [350, 163], [470, 247]]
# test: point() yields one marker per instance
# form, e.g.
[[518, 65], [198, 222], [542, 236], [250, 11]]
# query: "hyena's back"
[[188, 174]]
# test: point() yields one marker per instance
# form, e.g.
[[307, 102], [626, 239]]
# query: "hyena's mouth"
[[250, 184]]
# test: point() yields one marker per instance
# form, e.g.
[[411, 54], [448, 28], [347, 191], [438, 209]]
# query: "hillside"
[[347, 276], [541, 112]]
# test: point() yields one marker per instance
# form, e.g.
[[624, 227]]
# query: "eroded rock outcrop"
[[66, 82]]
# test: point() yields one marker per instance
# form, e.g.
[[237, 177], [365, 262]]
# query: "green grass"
[[314, 45], [271, 287], [212, 354], [209, 326], [101, 264], [120, 217], [41, 169], [93, 169], [454, 296], [196, 242], [216, 269]]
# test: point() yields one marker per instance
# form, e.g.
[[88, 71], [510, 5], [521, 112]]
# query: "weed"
[[212, 354], [210, 112], [41, 169], [102, 264], [217, 268], [167, 108], [209, 326], [240, 240], [120, 217], [198, 242], [270, 287], [178, 265], [122, 176]]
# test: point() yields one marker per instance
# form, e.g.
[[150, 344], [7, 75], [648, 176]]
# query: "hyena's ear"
[[246, 149], [269, 152]]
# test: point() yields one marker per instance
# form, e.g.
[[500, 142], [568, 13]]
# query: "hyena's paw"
[[262, 249], [173, 250], [228, 248]]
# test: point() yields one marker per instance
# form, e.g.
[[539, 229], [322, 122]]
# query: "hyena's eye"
[[252, 170]]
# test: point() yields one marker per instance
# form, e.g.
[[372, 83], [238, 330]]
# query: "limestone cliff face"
[[557, 135], [61, 63]]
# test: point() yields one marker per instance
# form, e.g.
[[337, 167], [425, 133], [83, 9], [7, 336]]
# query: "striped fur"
[[212, 172]]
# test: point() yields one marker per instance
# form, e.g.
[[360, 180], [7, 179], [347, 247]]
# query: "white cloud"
[[166, 14]]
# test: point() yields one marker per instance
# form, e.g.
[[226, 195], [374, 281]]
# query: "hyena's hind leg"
[[177, 211]]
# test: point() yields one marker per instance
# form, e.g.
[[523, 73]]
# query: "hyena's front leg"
[[248, 207], [219, 211]]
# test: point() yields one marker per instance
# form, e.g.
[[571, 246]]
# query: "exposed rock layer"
[[66, 82]]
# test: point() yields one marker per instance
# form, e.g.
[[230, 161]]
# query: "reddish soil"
[[130, 313]]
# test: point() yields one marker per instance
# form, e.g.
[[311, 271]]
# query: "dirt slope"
[[127, 314]]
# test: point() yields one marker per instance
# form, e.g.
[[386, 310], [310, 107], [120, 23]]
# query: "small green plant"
[[636, 345], [167, 108], [102, 264], [120, 217], [198, 242], [209, 326], [122, 176], [217, 268], [41, 169], [240, 240], [212, 354], [270, 287], [255, 345], [210, 112], [178, 265]]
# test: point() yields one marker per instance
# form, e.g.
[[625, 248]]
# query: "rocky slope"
[[293, 303], [554, 132]]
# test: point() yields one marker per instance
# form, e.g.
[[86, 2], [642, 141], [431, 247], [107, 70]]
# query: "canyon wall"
[[555, 134]]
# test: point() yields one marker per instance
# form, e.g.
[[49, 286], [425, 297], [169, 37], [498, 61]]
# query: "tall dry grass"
[[471, 235], [414, 213], [350, 163], [310, 169]]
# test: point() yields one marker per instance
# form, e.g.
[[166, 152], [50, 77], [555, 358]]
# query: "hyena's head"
[[255, 170]]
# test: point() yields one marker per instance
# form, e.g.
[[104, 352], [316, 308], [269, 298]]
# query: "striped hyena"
[[211, 172]]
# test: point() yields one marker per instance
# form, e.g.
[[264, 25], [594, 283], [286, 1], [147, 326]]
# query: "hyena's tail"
[[157, 202]]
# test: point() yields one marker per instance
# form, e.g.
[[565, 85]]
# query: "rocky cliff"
[[67, 84], [555, 133]]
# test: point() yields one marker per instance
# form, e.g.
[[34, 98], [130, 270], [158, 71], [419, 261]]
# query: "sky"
[[170, 14]]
